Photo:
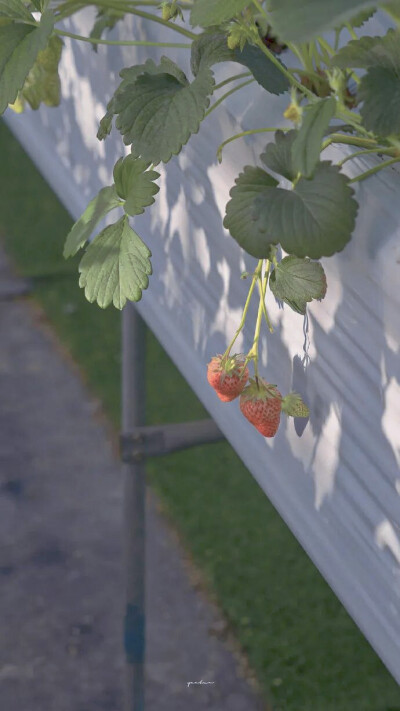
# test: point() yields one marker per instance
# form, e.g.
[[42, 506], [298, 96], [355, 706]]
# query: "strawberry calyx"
[[293, 406], [228, 375], [229, 365], [259, 389]]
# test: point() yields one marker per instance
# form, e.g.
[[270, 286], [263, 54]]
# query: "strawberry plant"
[[294, 202]]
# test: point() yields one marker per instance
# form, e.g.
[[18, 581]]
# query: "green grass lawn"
[[304, 648]]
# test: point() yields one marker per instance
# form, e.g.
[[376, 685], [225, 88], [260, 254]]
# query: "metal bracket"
[[155, 441]]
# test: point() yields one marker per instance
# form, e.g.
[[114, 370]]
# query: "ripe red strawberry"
[[227, 376], [261, 404]]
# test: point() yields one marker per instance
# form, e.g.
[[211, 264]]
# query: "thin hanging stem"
[[357, 154], [326, 46], [233, 78], [349, 140], [250, 132], [122, 43], [130, 9], [159, 20], [245, 309], [351, 31], [253, 352], [352, 118], [259, 7], [295, 51], [225, 96], [262, 285], [375, 169]]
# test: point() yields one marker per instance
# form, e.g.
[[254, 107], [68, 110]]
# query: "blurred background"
[[61, 580]]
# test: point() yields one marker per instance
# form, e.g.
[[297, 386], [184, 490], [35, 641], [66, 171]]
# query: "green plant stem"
[[354, 76], [305, 73], [306, 57], [351, 30], [262, 285], [326, 46], [349, 141], [316, 55], [159, 20], [392, 14], [375, 169], [233, 78], [326, 57], [225, 96], [245, 308], [253, 352], [344, 114], [378, 149], [250, 132], [260, 8], [296, 52], [127, 4], [122, 43], [128, 9], [291, 79], [33, 23]]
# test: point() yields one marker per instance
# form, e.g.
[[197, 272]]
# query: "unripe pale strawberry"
[[228, 376], [261, 404], [294, 406]]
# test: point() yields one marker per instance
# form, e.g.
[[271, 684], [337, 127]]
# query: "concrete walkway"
[[61, 577]]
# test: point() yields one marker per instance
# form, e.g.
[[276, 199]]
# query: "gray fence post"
[[133, 416], [137, 443]]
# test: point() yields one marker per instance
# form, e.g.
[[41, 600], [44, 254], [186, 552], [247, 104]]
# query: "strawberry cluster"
[[260, 402]]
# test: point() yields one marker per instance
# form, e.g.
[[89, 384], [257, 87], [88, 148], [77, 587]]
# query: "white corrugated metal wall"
[[336, 482]]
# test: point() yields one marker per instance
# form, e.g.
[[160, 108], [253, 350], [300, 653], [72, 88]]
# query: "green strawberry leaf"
[[301, 20], [315, 219], [135, 184], [19, 47], [105, 20], [278, 155], [42, 85], [159, 112], [116, 266], [209, 48], [294, 406], [129, 76], [105, 125], [239, 211], [380, 91], [359, 19], [103, 203], [15, 10], [306, 147], [262, 69], [370, 51], [298, 281], [213, 12]]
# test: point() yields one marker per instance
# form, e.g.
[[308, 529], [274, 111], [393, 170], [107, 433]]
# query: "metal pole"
[[133, 415]]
